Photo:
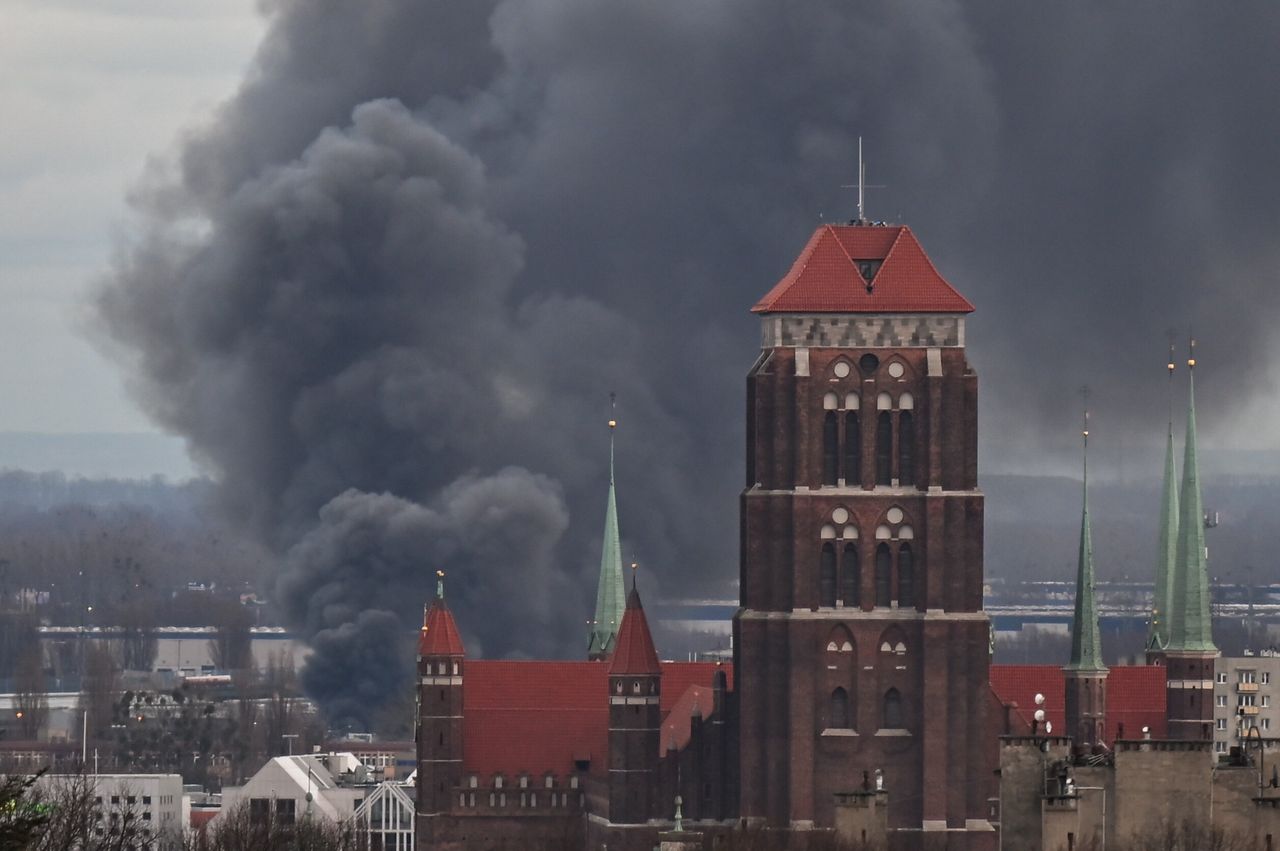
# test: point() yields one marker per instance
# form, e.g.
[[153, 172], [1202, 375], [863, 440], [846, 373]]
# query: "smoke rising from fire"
[[385, 291]]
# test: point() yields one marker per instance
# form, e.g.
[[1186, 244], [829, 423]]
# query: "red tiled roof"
[[1135, 696], [440, 636], [678, 728], [633, 652], [535, 717], [825, 278]]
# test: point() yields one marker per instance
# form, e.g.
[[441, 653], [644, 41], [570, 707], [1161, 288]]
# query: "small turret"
[[441, 658], [635, 686]]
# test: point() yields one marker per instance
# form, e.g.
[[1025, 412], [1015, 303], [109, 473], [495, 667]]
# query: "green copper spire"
[[1190, 625], [1167, 543], [611, 596], [1086, 638]]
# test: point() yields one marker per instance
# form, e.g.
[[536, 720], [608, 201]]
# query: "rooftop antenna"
[[862, 186]]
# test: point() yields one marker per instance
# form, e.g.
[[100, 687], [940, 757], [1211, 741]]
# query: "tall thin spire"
[[611, 597], [1191, 626], [1086, 640], [1167, 542]]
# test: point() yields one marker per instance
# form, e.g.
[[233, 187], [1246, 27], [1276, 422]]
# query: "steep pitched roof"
[[1191, 627], [539, 717], [1135, 696], [1166, 552], [863, 269], [611, 591], [440, 636], [1086, 639], [634, 653]]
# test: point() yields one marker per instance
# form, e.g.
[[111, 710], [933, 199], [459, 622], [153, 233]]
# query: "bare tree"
[[22, 815], [240, 829], [100, 688], [32, 698], [80, 819]]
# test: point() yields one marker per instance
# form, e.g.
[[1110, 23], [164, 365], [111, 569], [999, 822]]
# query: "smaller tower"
[[1191, 652], [1166, 546], [635, 688], [610, 594], [1086, 676], [439, 728]]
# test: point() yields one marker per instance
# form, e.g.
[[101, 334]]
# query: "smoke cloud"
[[385, 291]]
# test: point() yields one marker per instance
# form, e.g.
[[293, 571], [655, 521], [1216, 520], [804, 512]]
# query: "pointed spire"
[[1086, 641], [440, 635], [611, 591], [1167, 542], [635, 652], [1191, 627]]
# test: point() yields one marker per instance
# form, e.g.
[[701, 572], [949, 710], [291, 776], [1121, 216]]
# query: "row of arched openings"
[[847, 464], [841, 583], [842, 713]]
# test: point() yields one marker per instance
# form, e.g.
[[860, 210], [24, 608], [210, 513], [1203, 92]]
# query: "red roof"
[[440, 636], [633, 653], [1135, 696], [827, 276], [538, 717]]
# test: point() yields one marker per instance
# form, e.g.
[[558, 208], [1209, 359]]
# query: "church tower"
[[861, 643], [1191, 652], [439, 728], [635, 719], [1166, 546], [1085, 675], [610, 593]]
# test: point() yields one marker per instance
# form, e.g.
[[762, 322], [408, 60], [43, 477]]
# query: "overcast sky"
[[88, 89]]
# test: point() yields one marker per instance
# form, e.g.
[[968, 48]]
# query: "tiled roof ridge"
[[853, 264]]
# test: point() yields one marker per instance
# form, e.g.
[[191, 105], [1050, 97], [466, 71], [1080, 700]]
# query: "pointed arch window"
[[906, 448], [884, 448], [906, 577], [851, 576], [892, 710], [852, 448], [827, 576], [840, 710], [884, 569], [830, 448]]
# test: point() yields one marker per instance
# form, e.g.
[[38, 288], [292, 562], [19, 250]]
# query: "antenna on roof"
[[862, 186]]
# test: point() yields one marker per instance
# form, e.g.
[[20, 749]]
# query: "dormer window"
[[617, 687], [635, 687]]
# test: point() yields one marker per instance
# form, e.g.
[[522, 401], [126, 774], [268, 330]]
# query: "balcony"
[[1245, 688], [1248, 710]]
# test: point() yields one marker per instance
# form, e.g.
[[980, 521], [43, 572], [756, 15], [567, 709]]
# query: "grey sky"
[[88, 91]]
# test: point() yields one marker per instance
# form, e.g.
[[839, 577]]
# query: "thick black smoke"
[[386, 290]]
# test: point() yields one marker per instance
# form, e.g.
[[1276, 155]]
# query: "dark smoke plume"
[[385, 291]]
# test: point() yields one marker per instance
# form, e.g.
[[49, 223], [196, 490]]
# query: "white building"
[[154, 800], [386, 817], [1243, 691], [288, 788]]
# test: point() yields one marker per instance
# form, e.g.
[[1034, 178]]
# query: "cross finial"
[[635, 566], [862, 186], [440, 584], [1191, 353]]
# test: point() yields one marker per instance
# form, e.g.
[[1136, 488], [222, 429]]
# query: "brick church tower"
[[439, 727], [861, 643]]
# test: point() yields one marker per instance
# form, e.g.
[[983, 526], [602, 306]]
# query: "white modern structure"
[[153, 800]]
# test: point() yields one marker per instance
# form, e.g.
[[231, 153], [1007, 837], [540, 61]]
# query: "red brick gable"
[[827, 276], [440, 636], [538, 717], [1135, 696]]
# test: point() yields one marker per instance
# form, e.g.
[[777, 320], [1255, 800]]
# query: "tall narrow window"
[[884, 564], [906, 449], [892, 710], [851, 576], [884, 448], [906, 578], [830, 448], [840, 709], [827, 576], [852, 449]]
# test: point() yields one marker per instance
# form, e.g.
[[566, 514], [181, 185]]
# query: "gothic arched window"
[[892, 710], [906, 577], [830, 449], [884, 448], [852, 449], [840, 709], [827, 576], [906, 449], [884, 567], [851, 576]]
